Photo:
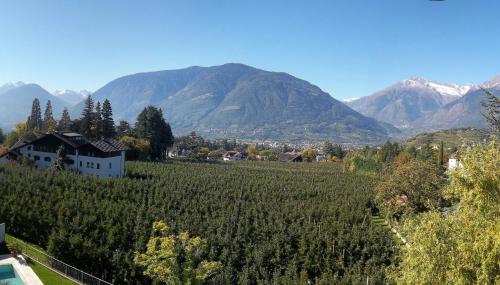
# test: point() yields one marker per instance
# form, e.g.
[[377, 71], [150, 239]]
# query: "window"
[[36, 157], [69, 162], [92, 165], [48, 159], [29, 154], [98, 166], [110, 165], [29, 148], [88, 164], [81, 163]]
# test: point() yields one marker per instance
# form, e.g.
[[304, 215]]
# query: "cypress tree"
[[35, 119], [441, 155], [108, 124], [87, 120], [65, 122]]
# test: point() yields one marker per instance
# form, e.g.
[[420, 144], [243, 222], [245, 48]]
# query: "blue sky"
[[347, 48]]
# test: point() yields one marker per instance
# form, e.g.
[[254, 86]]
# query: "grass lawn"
[[379, 221], [47, 276]]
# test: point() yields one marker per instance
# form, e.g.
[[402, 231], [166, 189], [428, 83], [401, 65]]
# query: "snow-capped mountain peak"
[[494, 82], [441, 88]]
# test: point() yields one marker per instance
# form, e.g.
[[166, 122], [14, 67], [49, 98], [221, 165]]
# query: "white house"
[[232, 156], [103, 158], [454, 163]]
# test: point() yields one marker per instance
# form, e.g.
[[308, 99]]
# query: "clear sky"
[[347, 48]]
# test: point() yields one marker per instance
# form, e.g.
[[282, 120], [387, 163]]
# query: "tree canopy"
[[461, 246], [152, 125]]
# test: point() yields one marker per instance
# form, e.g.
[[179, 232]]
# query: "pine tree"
[[65, 122], [87, 119], [108, 124], [48, 123], [35, 120], [98, 133]]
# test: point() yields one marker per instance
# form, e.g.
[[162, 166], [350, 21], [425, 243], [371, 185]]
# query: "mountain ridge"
[[237, 100]]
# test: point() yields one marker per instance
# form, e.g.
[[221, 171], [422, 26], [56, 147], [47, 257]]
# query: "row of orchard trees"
[[148, 139], [257, 223]]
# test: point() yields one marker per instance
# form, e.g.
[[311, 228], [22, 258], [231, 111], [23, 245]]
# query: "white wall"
[[117, 163]]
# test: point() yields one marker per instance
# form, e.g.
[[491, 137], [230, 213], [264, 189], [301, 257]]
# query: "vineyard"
[[265, 222]]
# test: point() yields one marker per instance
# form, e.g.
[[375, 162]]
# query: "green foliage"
[[22, 131], [175, 259], [2, 136], [108, 124], [356, 161], [35, 119], [139, 149], [387, 152], [49, 123], [266, 222], [152, 126], [124, 129], [309, 154], [410, 188], [64, 124], [87, 126], [462, 246], [332, 150]]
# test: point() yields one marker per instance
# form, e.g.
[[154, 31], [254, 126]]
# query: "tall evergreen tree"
[[2, 137], [87, 119], [35, 119], [152, 126], [48, 123], [98, 121], [65, 122], [108, 124]]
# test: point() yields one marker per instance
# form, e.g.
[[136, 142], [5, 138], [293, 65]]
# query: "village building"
[[292, 156], [103, 158], [232, 156]]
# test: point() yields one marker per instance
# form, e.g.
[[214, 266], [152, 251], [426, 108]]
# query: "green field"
[[267, 222]]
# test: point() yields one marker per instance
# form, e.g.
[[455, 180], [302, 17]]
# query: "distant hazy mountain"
[[10, 85], [235, 100], [71, 97], [422, 105], [16, 104], [463, 112], [408, 101]]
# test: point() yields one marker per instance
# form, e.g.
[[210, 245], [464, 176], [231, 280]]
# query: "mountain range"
[[417, 104], [239, 101], [17, 99], [235, 100]]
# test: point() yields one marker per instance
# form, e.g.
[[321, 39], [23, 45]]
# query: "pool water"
[[7, 273]]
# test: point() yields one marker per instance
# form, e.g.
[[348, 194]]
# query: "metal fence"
[[55, 264]]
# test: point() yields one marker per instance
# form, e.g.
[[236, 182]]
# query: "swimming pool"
[[9, 274]]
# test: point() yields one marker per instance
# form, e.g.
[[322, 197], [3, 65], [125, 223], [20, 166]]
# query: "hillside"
[[451, 138], [235, 100]]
